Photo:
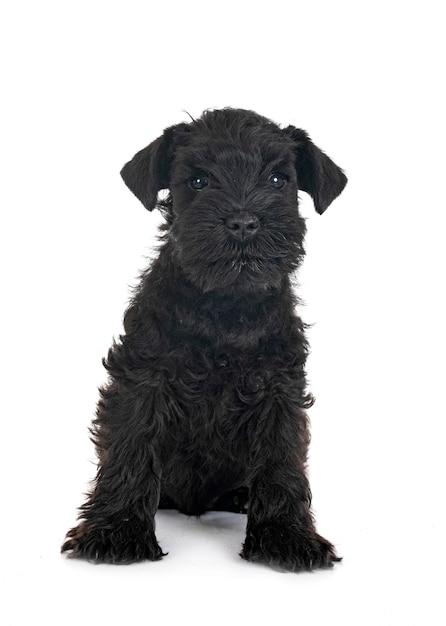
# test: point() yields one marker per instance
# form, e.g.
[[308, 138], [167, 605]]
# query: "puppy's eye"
[[277, 180], [199, 182]]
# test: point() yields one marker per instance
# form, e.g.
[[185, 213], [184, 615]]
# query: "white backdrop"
[[85, 85]]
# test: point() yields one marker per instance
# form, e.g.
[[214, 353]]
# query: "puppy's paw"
[[288, 548], [126, 543]]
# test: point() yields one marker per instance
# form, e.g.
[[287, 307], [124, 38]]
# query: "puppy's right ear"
[[149, 170]]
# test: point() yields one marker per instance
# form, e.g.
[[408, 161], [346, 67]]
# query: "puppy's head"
[[232, 210]]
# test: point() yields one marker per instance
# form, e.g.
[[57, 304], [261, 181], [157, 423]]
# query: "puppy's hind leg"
[[235, 501]]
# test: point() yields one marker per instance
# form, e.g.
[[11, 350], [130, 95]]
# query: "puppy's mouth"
[[247, 263]]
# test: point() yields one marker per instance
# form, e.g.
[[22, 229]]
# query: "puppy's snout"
[[242, 226]]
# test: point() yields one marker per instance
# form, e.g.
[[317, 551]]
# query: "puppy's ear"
[[316, 172], [149, 170]]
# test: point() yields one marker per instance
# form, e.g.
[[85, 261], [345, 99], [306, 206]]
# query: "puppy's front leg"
[[280, 529], [118, 518]]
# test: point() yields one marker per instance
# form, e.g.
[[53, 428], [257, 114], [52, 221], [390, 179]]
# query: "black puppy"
[[205, 405]]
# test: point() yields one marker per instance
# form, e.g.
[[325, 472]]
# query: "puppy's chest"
[[223, 379], [218, 399]]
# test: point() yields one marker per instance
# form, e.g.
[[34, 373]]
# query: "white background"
[[85, 85]]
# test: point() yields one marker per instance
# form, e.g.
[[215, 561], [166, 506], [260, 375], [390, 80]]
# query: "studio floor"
[[202, 580]]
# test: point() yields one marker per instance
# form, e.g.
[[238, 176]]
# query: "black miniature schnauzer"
[[205, 407]]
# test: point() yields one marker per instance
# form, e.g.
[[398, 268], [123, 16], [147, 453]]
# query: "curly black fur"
[[205, 407]]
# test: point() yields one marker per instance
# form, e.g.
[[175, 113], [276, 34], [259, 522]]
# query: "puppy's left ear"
[[149, 170], [316, 172]]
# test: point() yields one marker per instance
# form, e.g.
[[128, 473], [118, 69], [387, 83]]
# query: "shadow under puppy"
[[205, 407]]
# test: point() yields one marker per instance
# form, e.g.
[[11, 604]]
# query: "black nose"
[[242, 226]]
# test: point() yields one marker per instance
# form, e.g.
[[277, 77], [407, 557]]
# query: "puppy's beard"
[[240, 273], [212, 261]]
